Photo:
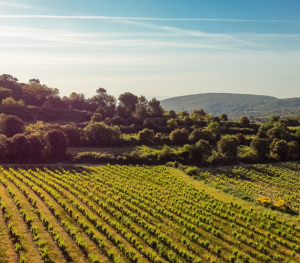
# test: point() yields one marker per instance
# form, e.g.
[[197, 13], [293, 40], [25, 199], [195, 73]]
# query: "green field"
[[132, 214], [273, 181]]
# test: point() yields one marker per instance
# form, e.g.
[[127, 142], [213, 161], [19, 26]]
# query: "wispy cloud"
[[34, 38], [17, 5], [162, 37], [221, 38], [146, 18]]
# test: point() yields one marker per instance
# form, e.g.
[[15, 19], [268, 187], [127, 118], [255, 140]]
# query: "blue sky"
[[155, 48]]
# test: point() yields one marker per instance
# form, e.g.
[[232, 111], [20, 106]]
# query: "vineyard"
[[277, 181], [140, 214]]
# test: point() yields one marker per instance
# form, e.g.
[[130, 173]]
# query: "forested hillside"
[[235, 105]]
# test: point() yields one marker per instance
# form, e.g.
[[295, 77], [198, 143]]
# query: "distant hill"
[[235, 105]]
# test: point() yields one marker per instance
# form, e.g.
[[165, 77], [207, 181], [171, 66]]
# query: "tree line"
[[191, 138]]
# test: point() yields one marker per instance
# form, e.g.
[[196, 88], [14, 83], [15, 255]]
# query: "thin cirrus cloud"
[[145, 18], [33, 38], [22, 6]]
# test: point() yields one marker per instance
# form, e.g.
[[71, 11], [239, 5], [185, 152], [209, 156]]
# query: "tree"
[[141, 108], [188, 121], [103, 103], [5, 93], [11, 105], [281, 149], [294, 150], [146, 135], [9, 82], [11, 125], [117, 120], [129, 101], [35, 149], [224, 117], [240, 138], [57, 143], [155, 108], [77, 101], [172, 123], [17, 148], [274, 133], [37, 94], [179, 136], [100, 134], [149, 123], [34, 82], [3, 148], [74, 134], [214, 128], [200, 151], [261, 147], [172, 114], [274, 118], [196, 135], [261, 134], [228, 147], [97, 117], [198, 115], [244, 121], [182, 114]]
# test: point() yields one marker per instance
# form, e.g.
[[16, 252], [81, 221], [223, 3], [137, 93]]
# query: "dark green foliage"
[[196, 135], [240, 138], [228, 147], [57, 143], [97, 117], [128, 100], [294, 150], [100, 134], [200, 151], [74, 134], [280, 150], [224, 117], [192, 171], [244, 121], [11, 125], [146, 135], [179, 135], [261, 134], [261, 147]]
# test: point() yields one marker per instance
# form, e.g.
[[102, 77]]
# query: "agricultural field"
[[276, 181], [132, 214]]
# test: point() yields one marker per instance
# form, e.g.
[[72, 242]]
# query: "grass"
[[232, 194]]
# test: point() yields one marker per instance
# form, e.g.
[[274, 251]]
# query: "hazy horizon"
[[158, 48]]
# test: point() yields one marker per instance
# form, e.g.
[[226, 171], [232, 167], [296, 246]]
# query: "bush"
[[57, 142], [172, 123], [100, 134], [196, 135], [179, 136], [265, 201], [192, 171], [281, 149], [244, 121], [11, 125], [146, 135], [97, 117], [240, 138], [261, 147], [74, 134], [228, 147]]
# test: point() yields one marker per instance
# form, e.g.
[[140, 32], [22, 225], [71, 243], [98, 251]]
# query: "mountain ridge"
[[234, 104]]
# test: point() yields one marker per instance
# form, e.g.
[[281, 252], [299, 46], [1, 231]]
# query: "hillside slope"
[[235, 105]]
